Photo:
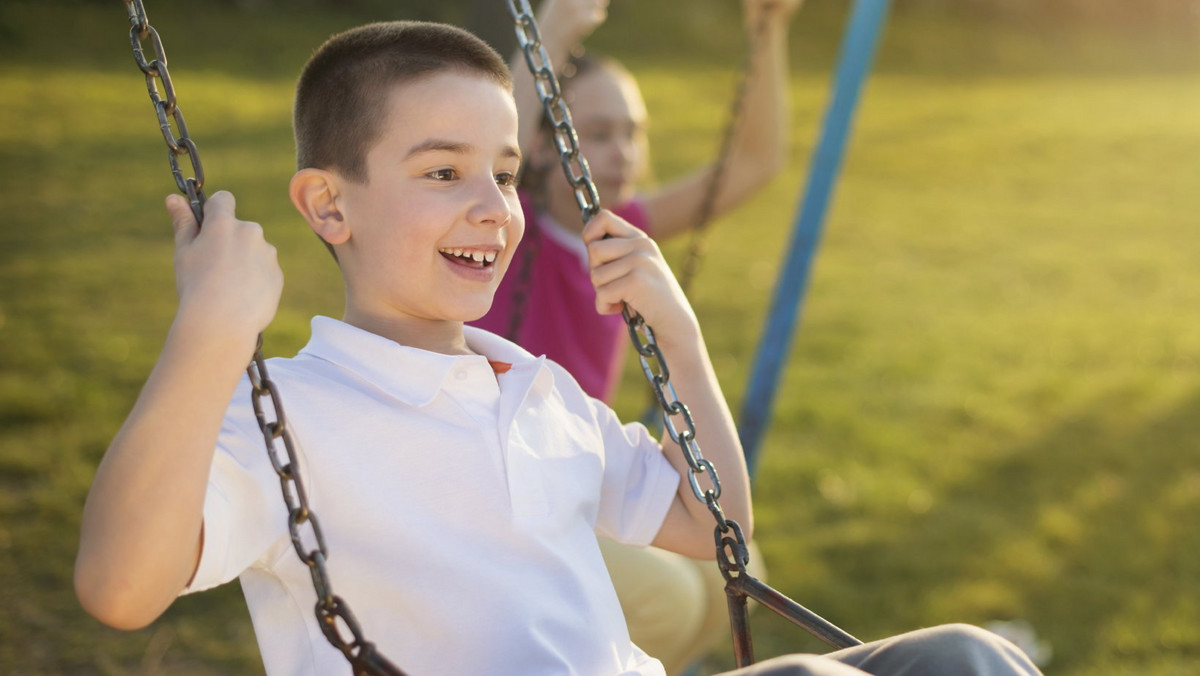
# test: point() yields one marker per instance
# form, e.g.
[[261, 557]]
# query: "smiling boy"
[[460, 481]]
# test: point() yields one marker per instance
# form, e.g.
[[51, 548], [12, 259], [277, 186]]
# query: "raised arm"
[[142, 523], [759, 148], [628, 266], [562, 24]]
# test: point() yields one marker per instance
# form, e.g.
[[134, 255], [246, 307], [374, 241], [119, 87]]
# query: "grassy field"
[[991, 406]]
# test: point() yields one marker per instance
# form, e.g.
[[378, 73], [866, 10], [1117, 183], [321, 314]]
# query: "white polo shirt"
[[460, 509]]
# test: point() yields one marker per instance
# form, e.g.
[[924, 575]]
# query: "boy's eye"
[[442, 174], [506, 179]]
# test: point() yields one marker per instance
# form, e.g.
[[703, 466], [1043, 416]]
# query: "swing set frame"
[[333, 614]]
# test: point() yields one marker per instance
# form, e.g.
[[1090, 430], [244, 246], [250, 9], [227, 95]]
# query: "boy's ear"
[[315, 194]]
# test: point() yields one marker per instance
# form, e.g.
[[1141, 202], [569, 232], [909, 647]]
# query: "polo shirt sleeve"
[[244, 513], [639, 482]]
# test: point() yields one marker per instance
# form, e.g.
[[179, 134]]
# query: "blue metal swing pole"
[[862, 34]]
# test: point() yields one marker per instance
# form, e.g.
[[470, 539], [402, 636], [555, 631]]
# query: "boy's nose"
[[490, 205]]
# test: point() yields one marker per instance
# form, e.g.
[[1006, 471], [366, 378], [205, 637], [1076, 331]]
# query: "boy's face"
[[434, 226]]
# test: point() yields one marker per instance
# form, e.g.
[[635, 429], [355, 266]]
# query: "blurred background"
[[992, 408]]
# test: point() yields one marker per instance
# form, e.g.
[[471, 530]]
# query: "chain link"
[[548, 91], [170, 116], [332, 612], [674, 412], [698, 245]]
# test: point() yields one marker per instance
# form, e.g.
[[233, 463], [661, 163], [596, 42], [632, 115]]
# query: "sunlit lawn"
[[991, 404]]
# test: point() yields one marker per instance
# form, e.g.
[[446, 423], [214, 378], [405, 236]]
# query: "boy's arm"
[[562, 24], [142, 524], [760, 144], [627, 266]]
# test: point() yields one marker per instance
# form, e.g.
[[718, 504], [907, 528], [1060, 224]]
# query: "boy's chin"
[[473, 314], [470, 318]]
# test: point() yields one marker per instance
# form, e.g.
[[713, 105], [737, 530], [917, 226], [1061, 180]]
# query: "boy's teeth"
[[477, 256]]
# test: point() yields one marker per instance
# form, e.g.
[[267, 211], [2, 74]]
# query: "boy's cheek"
[[516, 229]]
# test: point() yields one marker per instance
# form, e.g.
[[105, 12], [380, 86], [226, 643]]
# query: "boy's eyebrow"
[[435, 144]]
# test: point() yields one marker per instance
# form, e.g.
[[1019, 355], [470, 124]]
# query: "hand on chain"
[[627, 267], [225, 271], [775, 10]]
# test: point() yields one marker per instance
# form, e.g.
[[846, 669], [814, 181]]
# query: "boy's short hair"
[[341, 94]]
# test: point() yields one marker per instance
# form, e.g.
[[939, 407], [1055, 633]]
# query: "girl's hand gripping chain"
[[570, 21], [779, 9]]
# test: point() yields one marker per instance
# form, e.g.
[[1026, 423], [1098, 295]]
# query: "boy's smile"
[[433, 228], [471, 257]]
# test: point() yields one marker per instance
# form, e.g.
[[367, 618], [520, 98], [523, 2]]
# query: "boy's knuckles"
[[646, 247]]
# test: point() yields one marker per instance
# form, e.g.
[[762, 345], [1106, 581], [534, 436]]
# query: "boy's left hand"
[[628, 267]]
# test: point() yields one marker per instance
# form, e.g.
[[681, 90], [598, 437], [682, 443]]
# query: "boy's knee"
[[967, 649], [957, 635], [797, 665], [963, 637]]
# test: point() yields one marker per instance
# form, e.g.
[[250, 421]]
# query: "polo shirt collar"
[[410, 374]]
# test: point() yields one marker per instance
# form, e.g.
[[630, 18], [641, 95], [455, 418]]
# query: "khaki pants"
[[675, 606]]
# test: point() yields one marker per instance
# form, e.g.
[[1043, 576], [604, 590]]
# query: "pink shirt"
[[559, 317]]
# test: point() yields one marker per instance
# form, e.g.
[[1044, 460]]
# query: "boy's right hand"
[[226, 274]]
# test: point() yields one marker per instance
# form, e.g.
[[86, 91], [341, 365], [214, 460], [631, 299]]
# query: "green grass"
[[990, 408]]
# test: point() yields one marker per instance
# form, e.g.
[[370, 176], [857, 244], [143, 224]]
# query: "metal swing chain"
[[728, 534], [331, 610], [732, 553], [167, 110], [697, 247]]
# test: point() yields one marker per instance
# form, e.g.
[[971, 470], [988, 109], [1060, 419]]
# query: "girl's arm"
[[759, 148]]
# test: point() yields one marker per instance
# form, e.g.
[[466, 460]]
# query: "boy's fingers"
[[183, 221], [605, 251], [221, 203], [607, 224]]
